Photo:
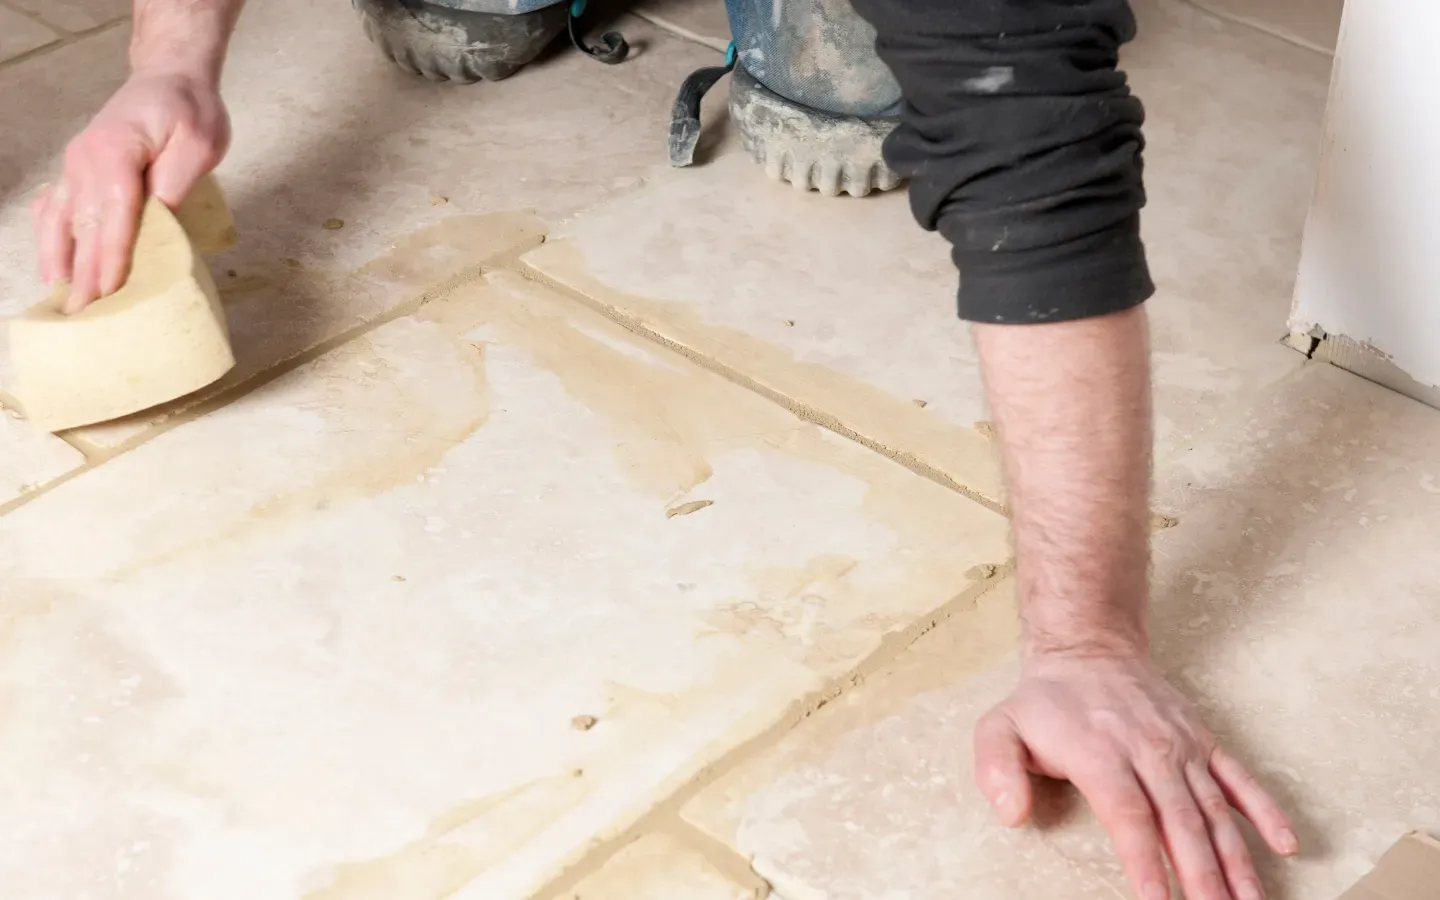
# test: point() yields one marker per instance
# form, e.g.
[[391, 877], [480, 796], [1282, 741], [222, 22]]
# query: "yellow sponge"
[[162, 335]]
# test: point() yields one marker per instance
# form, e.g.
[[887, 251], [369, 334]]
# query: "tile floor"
[[517, 552]]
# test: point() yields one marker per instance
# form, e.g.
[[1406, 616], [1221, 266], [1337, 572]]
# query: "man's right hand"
[[157, 135], [1154, 775]]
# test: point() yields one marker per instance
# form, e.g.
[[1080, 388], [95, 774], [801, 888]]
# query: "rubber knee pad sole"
[[812, 150], [445, 44]]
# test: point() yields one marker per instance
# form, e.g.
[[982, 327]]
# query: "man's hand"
[[158, 135], [163, 130], [1153, 774]]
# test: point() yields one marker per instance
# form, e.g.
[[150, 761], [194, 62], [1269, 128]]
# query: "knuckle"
[[1189, 819], [1244, 781], [1161, 747], [1213, 886], [1133, 813], [1215, 807]]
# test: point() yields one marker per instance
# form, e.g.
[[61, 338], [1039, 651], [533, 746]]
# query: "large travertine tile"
[[21, 34], [75, 16], [720, 260], [325, 129], [29, 458], [340, 637], [1298, 600], [659, 867], [1312, 23]]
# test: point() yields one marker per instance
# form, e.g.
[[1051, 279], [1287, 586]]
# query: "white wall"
[[1370, 264]]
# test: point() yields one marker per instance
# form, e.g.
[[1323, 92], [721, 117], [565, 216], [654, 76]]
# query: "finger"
[[1186, 833], [1000, 767], [174, 172], [52, 234], [85, 269], [1225, 835], [1125, 813], [84, 227], [121, 183], [1254, 803]]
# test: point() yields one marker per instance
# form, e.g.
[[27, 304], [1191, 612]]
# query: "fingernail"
[[1157, 891], [1249, 890], [1289, 843]]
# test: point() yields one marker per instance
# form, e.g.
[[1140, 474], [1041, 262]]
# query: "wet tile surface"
[[846, 306], [658, 867], [29, 458], [325, 129], [430, 614], [1300, 552]]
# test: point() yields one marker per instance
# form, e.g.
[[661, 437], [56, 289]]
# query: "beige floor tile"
[[326, 129], [846, 306], [1296, 601], [21, 34], [75, 15], [29, 458], [702, 20], [339, 637], [659, 867], [1311, 23]]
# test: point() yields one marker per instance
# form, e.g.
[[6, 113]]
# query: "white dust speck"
[[993, 80]]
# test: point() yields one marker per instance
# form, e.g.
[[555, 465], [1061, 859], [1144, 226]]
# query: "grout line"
[[680, 31], [27, 14], [1255, 25], [66, 38], [799, 408], [662, 814], [727, 860]]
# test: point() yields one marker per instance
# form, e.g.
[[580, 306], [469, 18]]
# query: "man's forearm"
[[186, 36], [1022, 143], [1071, 401]]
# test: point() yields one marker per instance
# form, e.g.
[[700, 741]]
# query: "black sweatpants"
[[1022, 144]]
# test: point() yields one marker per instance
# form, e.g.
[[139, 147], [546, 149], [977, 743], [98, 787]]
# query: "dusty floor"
[[509, 559]]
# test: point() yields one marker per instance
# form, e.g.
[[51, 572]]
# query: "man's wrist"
[[183, 39], [1123, 635]]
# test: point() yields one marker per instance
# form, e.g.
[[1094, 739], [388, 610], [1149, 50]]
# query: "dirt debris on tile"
[[1296, 600], [685, 509], [236, 681], [660, 867]]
